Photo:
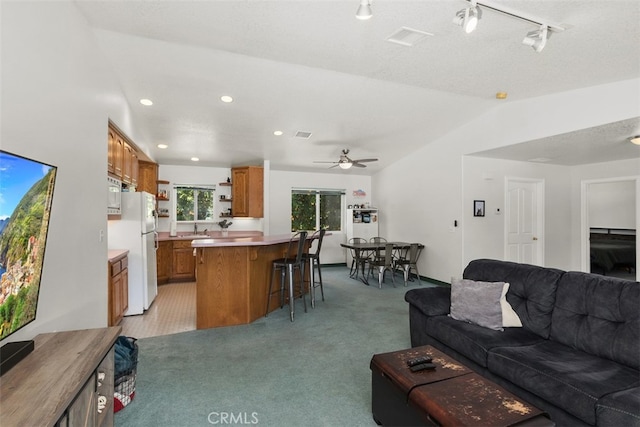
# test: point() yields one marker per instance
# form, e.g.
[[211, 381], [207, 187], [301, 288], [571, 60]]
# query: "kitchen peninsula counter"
[[232, 278]]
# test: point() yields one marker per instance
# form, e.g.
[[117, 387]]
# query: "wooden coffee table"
[[450, 395]]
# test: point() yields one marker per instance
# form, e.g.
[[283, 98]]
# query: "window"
[[315, 209], [194, 203]]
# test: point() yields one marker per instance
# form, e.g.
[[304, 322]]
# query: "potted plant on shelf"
[[224, 224]]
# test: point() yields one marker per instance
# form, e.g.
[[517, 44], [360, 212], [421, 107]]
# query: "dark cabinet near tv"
[[68, 380]]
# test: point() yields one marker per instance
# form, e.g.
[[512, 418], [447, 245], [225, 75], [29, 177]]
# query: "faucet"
[[195, 228]]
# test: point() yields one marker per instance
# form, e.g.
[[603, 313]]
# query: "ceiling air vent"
[[302, 134], [406, 36]]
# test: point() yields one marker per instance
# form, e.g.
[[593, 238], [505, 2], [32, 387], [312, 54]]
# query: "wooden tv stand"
[[58, 383]]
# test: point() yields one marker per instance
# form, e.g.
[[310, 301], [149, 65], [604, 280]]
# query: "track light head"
[[364, 10], [537, 39], [468, 18]]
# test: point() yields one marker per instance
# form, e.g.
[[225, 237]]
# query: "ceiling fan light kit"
[[468, 18], [346, 163], [635, 140]]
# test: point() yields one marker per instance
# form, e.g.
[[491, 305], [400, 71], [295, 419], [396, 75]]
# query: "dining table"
[[362, 251]]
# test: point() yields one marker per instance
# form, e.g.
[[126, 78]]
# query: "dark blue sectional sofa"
[[577, 356]]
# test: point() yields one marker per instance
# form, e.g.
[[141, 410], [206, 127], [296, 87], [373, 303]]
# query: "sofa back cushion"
[[532, 289], [599, 315]]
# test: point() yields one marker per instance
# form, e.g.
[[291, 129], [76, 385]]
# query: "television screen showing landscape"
[[26, 191]]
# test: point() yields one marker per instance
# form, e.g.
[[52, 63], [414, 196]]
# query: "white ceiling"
[[311, 66]]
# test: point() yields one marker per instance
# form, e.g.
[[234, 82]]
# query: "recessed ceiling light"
[[162, 146], [501, 95], [277, 132], [146, 102], [226, 98], [195, 159], [635, 139]]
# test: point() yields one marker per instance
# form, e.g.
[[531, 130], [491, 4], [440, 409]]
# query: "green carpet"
[[312, 372]]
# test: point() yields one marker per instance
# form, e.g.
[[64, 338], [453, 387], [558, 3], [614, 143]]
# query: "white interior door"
[[524, 221]]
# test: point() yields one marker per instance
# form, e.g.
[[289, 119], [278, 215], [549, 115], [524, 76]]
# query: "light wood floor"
[[173, 311]]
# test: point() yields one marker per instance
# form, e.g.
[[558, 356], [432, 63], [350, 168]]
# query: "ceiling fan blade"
[[334, 166], [365, 160], [358, 165], [324, 162]]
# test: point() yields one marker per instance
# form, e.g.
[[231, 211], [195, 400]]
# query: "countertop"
[[115, 254], [217, 235], [241, 241]]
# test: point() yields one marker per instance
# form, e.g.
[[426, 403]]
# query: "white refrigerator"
[[136, 231]]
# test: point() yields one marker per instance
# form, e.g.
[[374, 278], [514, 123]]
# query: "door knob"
[[535, 238]]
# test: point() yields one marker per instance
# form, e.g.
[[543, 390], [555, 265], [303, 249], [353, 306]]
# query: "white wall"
[[612, 205], [280, 185], [485, 179], [424, 193], [57, 96], [203, 176]]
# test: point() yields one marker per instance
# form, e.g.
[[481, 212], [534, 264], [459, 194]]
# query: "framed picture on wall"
[[478, 208]]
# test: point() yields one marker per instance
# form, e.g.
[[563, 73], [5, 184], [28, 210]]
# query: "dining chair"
[[312, 259], [383, 262], [409, 260], [288, 265], [358, 258]]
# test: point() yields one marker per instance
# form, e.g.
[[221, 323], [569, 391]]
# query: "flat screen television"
[[26, 193]]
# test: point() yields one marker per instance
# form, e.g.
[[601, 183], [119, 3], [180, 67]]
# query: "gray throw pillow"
[[477, 302]]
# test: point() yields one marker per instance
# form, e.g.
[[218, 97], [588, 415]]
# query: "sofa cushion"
[[474, 341], [571, 379], [621, 408], [531, 293], [477, 302], [599, 315]]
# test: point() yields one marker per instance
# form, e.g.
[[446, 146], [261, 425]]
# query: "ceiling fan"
[[345, 162]]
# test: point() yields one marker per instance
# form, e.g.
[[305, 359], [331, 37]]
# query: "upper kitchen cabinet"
[[247, 191], [148, 177], [116, 153], [130, 165]]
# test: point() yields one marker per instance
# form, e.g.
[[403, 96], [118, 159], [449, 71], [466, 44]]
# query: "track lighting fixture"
[[468, 18], [537, 39], [364, 10]]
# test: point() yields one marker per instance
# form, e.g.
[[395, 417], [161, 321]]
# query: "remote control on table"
[[423, 367], [418, 361]]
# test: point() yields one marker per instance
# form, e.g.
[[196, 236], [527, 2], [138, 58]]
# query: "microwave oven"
[[114, 198]]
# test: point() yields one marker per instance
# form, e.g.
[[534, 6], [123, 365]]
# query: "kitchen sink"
[[194, 236]]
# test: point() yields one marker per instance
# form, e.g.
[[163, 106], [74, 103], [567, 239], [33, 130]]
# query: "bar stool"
[[288, 266], [313, 260]]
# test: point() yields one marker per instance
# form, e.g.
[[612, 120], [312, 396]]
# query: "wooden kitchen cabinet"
[[122, 157], [247, 193], [118, 289], [183, 266], [164, 260], [147, 177]]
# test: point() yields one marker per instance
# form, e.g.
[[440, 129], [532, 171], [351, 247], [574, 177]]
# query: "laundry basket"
[[126, 364]]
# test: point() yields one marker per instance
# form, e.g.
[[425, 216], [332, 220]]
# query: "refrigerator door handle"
[[155, 240]]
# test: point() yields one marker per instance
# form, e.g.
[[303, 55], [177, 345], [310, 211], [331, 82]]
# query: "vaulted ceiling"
[[310, 66]]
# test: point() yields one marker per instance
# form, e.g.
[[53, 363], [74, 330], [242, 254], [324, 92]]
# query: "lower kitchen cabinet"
[[175, 261], [118, 288], [164, 261], [184, 264]]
